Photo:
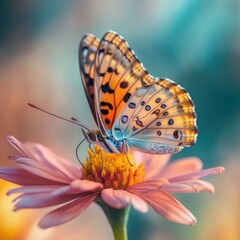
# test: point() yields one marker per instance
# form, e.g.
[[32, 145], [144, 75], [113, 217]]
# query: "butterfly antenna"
[[77, 154], [73, 120]]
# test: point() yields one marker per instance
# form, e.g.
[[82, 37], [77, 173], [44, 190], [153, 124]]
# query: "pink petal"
[[44, 199], [78, 187], [50, 159], [44, 196], [181, 167], [168, 207], [153, 163], [34, 189], [188, 186], [40, 200], [121, 199], [86, 186], [66, 212], [199, 174], [45, 163], [20, 147], [39, 169], [109, 197], [23, 177], [65, 190], [149, 185]]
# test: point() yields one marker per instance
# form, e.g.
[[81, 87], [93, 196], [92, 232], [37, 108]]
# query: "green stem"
[[118, 219]]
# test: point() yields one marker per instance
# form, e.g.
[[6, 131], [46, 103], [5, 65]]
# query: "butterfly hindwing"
[[118, 74], [158, 118]]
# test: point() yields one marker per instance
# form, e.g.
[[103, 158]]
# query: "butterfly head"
[[93, 136]]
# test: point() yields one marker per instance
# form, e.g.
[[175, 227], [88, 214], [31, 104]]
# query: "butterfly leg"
[[77, 154], [125, 149], [90, 146]]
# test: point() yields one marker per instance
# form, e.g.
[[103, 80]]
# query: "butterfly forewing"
[[87, 52], [118, 74]]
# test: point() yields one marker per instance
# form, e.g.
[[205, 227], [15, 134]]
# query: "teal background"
[[195, 43]]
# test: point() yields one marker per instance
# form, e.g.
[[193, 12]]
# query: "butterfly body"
[[131, 108], [109, 143]]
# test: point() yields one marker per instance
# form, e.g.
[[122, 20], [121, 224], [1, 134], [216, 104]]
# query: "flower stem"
[[118, 219]]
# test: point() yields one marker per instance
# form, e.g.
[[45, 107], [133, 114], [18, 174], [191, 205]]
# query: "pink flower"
[[49, 180]]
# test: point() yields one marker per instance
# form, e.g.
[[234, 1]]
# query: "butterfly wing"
[[159, 118], [118, 73], [87, 52], [152, 115]]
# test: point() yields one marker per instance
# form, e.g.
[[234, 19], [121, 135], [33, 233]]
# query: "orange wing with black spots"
[[131, 108], [87, 53], [118, 73]]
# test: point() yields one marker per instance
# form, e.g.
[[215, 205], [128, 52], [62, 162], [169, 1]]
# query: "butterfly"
[[132, 109]]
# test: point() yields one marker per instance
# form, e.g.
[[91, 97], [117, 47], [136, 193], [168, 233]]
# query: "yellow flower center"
[[111, 169]]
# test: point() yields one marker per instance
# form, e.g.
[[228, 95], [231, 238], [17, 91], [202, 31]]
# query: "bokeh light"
[[195, 43]]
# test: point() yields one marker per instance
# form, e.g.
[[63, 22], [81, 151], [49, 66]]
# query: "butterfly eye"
[[92, 137], [99, 137]]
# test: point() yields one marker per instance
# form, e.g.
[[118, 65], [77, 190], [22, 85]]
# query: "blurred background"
[[195, 43]]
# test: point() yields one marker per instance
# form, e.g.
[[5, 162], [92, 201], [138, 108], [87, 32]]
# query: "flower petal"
[[120, 199], [39, 169], [45, 196], [168, 207], [53, 161], [66, 212], [109, 197], [41, 161], [20, 147], [86, 185], [153, 164], [34, 189], [46, 199], [149, 185], [23, 177], [182, 167], [40, 200], [199, 174], [194, 185]]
